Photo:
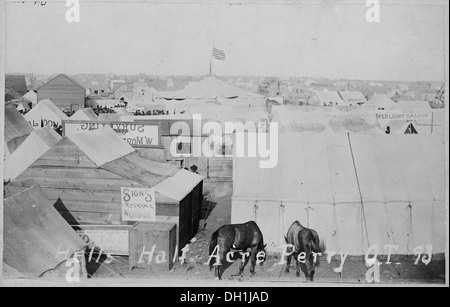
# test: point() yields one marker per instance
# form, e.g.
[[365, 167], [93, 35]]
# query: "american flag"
[[218, 54]]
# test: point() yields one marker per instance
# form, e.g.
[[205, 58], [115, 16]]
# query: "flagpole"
[[210, 64], [210, 60]]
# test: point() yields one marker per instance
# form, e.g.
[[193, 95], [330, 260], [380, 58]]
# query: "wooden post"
[[432, 122]]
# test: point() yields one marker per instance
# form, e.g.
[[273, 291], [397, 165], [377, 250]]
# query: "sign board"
[[137, 134], [138, 205], [388, 116], [110, 241]]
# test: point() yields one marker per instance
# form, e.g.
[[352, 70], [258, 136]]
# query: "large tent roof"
[[318, 168], [16, 126], [35, 145], [209, 88], [34, 232]]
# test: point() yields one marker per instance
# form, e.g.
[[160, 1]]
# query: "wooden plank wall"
[[91, 195], [63, 92]]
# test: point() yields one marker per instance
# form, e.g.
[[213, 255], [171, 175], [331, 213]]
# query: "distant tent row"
[[298, 119], [358, 120], [83, 174], [334, 98], [356, 191]]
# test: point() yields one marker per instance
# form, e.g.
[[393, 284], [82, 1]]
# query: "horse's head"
[[262, 258]]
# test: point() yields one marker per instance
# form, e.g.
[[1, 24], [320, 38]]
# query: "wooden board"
[[111, 239], [153, 246]]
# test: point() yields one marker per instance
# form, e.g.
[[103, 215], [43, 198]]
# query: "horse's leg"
[[288, 263], [219, 271], [298, 267], [253, 260], [243, 264], [216, 272]]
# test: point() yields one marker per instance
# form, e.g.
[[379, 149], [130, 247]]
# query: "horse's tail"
[[212, 246], [316, 245]]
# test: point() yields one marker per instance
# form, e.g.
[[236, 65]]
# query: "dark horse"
[[229, 242], [305, 241]]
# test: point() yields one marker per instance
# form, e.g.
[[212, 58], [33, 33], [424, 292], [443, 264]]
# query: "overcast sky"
[[328, 40]]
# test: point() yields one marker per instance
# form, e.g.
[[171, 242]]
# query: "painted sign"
[[135, 133], [389, 116], [108, 240], [138, 205]]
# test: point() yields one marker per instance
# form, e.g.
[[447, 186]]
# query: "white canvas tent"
[[45, 113], [353, 98], [211, 89], [31, 96], [401, 179], [327, 98], [36, 144], [381, 102], [84, 114]]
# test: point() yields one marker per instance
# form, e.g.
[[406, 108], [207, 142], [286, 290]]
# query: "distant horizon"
[[227, 76]]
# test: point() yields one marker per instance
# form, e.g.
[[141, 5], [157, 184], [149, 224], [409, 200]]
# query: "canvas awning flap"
[[179, 185], [36, 237]]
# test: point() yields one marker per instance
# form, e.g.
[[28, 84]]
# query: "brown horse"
[[305, 241], [229, 242]]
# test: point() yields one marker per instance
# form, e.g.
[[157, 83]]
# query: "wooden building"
[[65, 93], [83, 175], [16, 83]]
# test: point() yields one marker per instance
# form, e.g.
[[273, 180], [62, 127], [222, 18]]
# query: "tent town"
[[112, 180]]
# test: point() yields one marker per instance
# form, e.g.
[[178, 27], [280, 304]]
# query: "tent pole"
[[359, 189]]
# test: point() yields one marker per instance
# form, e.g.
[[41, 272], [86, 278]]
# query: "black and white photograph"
[[230, 143]]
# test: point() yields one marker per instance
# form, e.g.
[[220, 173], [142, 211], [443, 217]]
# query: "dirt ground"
[[401, 271]]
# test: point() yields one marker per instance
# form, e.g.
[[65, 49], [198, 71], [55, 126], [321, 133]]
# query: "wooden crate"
[[111, 239], [153, 246]]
